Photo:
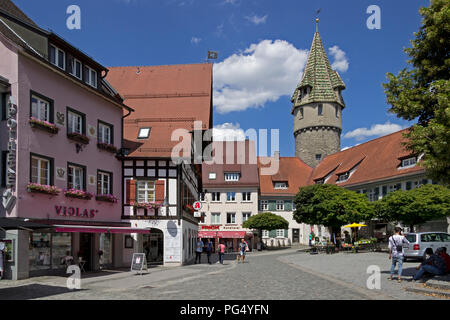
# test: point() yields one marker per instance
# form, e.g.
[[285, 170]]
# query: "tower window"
[[337, 112], [301, 113], [320, 109], [318, 156]]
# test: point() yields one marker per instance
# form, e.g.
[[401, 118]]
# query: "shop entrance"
[[86, 242], [295, 235], [153, 244]]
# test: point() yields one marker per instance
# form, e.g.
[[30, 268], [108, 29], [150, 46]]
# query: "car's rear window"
[[411, 237]]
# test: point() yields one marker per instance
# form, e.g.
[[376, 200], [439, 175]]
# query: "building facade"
[[230, 194], [159, 186], [60, 131]]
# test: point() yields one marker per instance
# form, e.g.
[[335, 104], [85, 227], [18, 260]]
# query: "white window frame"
[[147, 131], [233, 215], [149, 189], [265, 234], [77, 173], [101, 133], [409, 162], [74, 69], [280, 233], [56, 62], [105, 177], [280, 205], [232, 176], [39, 104], [246, 216], [71, 122], [213, 194], [231, 196], [245, 198], [343, 177], [212, 176], [92, 81], [280, 185], [38, 178], [215, 218], [264, 205]]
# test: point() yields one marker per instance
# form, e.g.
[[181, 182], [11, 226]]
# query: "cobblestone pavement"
[[268, 276]]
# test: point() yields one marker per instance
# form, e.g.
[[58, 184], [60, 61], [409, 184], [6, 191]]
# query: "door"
[[295, 235], [85, 251]]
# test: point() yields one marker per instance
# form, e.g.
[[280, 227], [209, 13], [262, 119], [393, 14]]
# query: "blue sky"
[[262, 46]]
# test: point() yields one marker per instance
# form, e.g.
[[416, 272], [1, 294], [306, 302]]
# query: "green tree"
[[265, 221], [416, 206], [331, 206], [423, 92]]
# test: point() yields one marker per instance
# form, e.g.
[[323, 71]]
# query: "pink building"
[[61, 131]]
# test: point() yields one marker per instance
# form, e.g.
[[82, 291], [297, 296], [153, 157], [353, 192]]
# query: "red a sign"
[[197, 205]]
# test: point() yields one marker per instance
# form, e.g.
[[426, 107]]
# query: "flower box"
[[43, 125], [188, 208], [146, 205], [108, 147], [40, 188], [78, 137], [79, 194], [106, 198]]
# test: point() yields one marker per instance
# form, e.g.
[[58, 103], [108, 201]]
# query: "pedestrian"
[[199, 250], [221, 252], [396, 242], [2, 248], [243, 247], [442, 252], [208, 250], [433, 264]]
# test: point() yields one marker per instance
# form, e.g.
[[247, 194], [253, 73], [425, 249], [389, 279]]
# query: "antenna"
[[317, 19], [212, 55]]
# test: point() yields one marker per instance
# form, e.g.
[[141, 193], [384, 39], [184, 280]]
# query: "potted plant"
[[43, 125], [78, 137], [106, 198], [188, 208], [40, 188], [79, 194], [107, 147]]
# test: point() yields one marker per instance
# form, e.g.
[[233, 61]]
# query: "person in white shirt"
[[396, 243]]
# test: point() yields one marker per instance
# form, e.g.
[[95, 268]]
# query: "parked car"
[[420, 241]]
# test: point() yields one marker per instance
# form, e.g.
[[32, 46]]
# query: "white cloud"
[[256, 20], [345, 148], [195, 40], [340, 62], [261, 73], [228, 132], [377, 130]]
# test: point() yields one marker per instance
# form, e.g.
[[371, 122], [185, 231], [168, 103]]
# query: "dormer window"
[[75, 68], [409, 162], [57, 57], [212, 176], [144, 133], [280, 185], [343, 177], [90, 76], [320, 181], [232, 176]]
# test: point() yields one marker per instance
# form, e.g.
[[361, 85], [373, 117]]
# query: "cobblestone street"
[[286, 274]]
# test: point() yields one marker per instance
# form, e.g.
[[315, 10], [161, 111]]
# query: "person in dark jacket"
[[433, 264], [209, 250], [442, 252]]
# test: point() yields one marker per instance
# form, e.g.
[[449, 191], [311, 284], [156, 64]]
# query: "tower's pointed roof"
[[319, 76]]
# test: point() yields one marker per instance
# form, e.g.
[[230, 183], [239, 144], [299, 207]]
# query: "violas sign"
[[75, 212]]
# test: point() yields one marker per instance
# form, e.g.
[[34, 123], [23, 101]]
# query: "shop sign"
[[75, 212], [210, 227], [231, 227], [8, 199], [197, 205]]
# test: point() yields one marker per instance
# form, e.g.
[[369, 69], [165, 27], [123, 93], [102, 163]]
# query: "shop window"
[[105, 250], [39, 251], [61, 248]]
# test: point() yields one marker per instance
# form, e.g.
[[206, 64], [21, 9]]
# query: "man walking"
[[396, 252], [243, 247], [221, 250], [208, 250], [199, 250]]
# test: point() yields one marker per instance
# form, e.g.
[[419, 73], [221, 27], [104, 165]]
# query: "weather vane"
[[317, 19]]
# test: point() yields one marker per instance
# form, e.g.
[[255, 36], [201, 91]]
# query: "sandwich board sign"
[[139, 262]]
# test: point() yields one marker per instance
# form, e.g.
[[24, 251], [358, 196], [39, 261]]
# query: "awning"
[[221, 234], [94, 229], [14, 224]]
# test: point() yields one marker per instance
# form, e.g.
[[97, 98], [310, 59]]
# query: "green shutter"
[[286, 233], [273, 233], [287, 205], [272, 205]]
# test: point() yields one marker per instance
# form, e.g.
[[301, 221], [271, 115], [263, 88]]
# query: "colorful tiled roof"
[[319, 76]]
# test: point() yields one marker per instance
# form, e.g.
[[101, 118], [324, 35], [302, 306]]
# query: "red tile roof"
[[164, 98], [380, 159], [291, 170]]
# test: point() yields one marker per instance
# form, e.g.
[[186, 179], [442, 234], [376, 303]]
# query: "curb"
[[429, 291]]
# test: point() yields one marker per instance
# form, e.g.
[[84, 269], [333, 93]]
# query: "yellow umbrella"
[[354, 225]]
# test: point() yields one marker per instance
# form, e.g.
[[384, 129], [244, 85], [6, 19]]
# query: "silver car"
[[420, 241]]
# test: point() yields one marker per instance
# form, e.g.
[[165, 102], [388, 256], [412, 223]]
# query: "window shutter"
[[286, 233], [159, 190], [287, 206], [273, 233], [131, 191], [272, 205]]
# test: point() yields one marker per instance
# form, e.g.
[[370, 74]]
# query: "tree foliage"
[[331, 206], [416, 206], [266, 221], [423, 92]]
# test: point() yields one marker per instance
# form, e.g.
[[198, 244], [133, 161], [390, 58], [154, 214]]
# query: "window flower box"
[[43, 125], [146, 205], [108, 147], [79, 194], [106, 198], [188, 208], [40, 188], [78, 137]]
